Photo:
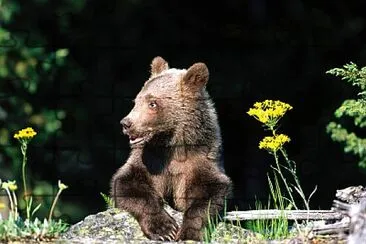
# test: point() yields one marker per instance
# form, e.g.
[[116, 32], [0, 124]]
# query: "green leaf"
[[36, 209]]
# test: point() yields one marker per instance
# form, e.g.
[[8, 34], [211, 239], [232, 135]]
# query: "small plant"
[[353, 108], [272, 229], [108, 200], [14, 227], [24, 137], [211, 226], [61, 187], [10, 187], [212, 223], [269, 113], [212, 229]]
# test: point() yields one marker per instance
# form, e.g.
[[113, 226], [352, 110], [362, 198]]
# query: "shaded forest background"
[[70, 69]]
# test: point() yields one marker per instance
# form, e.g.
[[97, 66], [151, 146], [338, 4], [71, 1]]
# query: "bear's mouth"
[[136, 140]]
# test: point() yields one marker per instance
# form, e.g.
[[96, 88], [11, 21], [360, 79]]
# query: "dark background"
[[255, 50]]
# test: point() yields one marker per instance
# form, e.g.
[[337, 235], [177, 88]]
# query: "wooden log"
[[332, 229], [288, 214]]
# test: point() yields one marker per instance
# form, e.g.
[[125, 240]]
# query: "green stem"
[[287, 188], [24, 152], [279, 169], [15, 205], [12, 211], [54, 204], [293, 172], [284, 179], [273, 130]]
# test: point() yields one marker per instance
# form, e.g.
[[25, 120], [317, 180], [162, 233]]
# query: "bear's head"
[[171, 103]]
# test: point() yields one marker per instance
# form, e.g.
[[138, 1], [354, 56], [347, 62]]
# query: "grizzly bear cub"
[[175, 152]]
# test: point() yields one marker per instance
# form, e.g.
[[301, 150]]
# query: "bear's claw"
[[159, 226]]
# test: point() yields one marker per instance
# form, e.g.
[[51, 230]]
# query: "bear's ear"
[[158, 65], [196, 76]]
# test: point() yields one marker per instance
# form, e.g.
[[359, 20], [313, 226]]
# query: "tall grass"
[[272, 229]]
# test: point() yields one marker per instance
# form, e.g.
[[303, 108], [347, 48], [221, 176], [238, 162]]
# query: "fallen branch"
[[288, 214], [331, 229]]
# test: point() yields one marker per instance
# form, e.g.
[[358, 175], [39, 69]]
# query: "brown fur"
[[158, 65], [175, 141]]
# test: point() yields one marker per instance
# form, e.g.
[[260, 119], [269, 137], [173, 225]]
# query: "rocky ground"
[[114, 226]]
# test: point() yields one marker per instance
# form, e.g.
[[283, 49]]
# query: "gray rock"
[[109, 226], [115, 226]]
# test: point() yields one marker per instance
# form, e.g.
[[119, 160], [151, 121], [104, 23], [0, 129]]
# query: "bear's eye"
[[153, 105]]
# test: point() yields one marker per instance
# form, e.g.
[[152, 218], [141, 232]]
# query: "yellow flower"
[[273, 143], [269, 112], [27, 133], [11, 185], [62, 186]]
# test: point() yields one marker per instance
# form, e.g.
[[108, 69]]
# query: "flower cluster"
[[10, 185], [269, 112], [273, 143], [27, 133]]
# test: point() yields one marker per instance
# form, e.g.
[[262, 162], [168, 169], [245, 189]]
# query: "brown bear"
[[175, 152]]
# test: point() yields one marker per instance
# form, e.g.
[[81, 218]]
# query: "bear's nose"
[[126, 123]]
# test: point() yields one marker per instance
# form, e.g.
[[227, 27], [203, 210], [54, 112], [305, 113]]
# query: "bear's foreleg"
[[132, 190], [205, 198]]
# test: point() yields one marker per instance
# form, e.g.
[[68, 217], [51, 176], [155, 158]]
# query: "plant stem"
[[54, 204], [24, 152], [15, 205], [273, 130], [283, 179], [293, 172], [12, 211]]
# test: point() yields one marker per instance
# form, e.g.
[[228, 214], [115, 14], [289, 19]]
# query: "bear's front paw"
[[160, 226], [189, 234], [189, 231]]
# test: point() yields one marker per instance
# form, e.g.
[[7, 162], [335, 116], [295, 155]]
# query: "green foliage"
[[108, 200], [210, 228], [14, 228], [352, 74], [276, 228], [352, 108], [272, 229], [212, 223]]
